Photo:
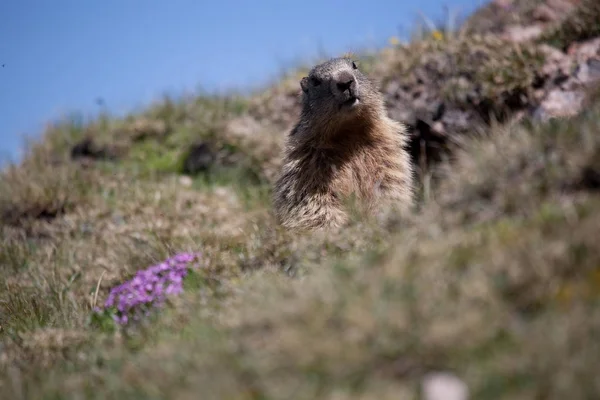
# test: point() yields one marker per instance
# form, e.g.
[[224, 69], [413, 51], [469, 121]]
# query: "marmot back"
[[343, 144]]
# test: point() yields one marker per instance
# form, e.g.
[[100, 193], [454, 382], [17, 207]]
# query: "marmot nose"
[[345, 84]]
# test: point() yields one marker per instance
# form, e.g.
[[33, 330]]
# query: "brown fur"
[[334, 152]]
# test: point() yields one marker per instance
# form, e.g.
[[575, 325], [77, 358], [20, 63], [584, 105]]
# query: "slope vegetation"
[[494, 279]]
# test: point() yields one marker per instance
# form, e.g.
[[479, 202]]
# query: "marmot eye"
[[354, 65], [315, 81]]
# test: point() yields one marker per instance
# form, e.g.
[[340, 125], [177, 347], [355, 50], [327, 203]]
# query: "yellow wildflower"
[[394, 41], [437, 35]]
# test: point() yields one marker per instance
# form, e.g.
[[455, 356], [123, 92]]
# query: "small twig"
[[97, 290]]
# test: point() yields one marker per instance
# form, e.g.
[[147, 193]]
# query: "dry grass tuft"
[[33, 191], [536, 167]]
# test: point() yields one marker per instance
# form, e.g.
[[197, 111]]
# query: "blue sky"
[[61, 55]]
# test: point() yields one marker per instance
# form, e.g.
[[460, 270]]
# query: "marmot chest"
[[361, 175]]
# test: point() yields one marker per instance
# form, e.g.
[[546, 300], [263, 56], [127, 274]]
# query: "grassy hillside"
[[495, 278]]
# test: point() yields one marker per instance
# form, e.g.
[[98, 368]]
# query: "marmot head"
[[337, 88]]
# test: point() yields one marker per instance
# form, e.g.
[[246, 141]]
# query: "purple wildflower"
[[149, 288]]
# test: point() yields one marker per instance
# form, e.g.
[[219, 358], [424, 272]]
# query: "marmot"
[[343, 145]]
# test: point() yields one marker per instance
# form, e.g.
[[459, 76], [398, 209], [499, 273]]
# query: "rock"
[[560, 103], [555, 60], [545, 13], [457, 119], [594, 68], [438, 127], [588, 72], [200, 158], [443, 386], [551, 53], [588, 49], [185, 181], [518, 34]]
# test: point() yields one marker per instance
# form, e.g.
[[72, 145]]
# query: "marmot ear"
[[304, 84]]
